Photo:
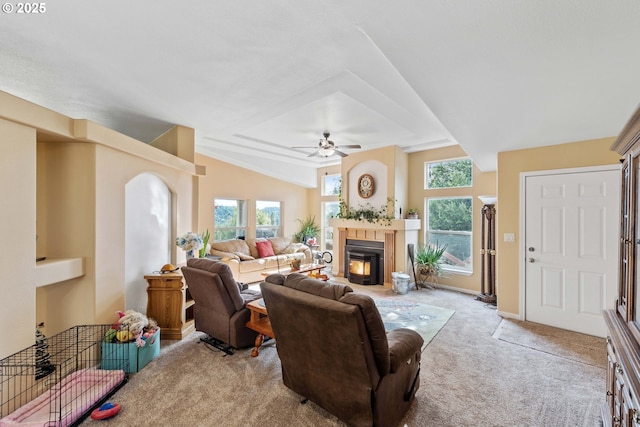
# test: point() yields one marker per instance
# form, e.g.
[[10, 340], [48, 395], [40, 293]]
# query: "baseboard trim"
[[503, 314], [507, 315], [453, 288]]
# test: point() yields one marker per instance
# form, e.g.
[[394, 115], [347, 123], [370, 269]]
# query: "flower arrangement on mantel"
[[190, 242], [368, 213], [412, 213]]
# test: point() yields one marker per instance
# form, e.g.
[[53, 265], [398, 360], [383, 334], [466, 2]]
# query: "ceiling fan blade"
[[315, 153], [305, 147], [340, 153], [351, 146]]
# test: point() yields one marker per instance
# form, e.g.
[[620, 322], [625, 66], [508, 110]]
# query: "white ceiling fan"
[[327, 148]]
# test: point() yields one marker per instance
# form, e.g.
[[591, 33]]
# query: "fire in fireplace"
[[361, 267], [364, 262]]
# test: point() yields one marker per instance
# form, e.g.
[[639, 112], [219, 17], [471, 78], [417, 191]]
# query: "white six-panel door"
[[571, 249]]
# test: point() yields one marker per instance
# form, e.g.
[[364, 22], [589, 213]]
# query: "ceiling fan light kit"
[[326, 152]]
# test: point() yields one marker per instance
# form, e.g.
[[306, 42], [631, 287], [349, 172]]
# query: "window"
[[448, 174], [267, 219], [331, 185], [449, 222], [329, 210], [229, 219]]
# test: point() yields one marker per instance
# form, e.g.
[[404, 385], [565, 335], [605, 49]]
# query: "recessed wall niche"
[[378, 171], [147, 235]]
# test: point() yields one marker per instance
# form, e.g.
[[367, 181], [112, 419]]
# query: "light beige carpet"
[[558, 342], [468, 378]]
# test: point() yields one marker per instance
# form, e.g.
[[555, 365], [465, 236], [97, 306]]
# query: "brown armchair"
[[335, 352], [219, 309]]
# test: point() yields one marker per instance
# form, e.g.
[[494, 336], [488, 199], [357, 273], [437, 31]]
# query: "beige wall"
[[65, 225], [223, 180], [110, 220], [64, 180], [18, 228], [484, 183], [83, 215], [393, 159], [510, 165]]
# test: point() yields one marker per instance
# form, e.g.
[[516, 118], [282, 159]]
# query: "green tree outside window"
[[448, 174]]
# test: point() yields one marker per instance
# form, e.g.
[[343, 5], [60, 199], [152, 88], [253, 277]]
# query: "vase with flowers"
[[204, 250], [190, 242]]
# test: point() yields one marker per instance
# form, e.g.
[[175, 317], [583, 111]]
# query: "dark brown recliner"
[[335, 352], [219, 309]]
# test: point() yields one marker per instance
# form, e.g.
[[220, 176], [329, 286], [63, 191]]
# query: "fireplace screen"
[[360, 267], [363, 268]]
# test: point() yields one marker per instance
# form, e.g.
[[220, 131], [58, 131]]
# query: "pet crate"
[[59, 380]]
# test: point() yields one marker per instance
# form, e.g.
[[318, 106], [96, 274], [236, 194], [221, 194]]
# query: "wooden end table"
[[260, 323], [170, 304]]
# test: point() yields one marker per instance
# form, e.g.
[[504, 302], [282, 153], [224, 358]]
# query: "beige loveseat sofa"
[[246, 264]]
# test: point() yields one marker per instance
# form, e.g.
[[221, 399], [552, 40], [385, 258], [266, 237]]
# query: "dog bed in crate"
[[79, 391], [59, 380]]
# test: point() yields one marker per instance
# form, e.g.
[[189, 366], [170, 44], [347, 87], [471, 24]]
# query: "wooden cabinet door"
[[625, 239], [611, 380]]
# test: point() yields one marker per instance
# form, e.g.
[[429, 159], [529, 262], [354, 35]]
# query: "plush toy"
[[150, 329], [106, 410], [131, 326]]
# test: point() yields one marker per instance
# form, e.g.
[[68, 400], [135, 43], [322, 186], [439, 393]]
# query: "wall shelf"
[[54, 270]]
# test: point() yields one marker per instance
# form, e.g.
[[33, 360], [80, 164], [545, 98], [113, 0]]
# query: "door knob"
[[531, 260]]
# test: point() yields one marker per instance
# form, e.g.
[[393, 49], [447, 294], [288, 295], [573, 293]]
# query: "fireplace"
[[364, 262]]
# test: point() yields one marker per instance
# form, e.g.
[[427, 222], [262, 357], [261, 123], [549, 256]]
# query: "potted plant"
[[412, 213], [308, 229], [429, 261]]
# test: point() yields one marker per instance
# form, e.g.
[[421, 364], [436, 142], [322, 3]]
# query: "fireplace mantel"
[[396, 224], [396, 236]]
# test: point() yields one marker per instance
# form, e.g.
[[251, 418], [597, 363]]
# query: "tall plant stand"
[[488, 252]]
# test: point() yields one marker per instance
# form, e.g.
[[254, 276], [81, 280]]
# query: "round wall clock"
[[366, 186]]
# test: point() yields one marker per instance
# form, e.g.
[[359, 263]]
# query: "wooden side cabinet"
[[169, 304], [621, 407]]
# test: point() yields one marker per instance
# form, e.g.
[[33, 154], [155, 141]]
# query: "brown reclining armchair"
[[219, 309], [335, 352]]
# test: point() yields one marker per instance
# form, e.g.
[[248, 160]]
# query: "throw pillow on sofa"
[[265, 249], [243, 257], [293, 248]]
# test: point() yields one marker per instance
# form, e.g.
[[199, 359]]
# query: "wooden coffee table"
[[259, 322]]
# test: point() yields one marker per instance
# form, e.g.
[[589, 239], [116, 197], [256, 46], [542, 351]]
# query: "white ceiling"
[[255, 78]]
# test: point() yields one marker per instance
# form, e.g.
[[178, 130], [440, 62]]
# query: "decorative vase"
[[190, 255]]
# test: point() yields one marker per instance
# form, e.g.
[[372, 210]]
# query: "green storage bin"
[[128, 356]]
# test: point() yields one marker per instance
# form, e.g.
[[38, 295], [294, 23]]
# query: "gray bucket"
[[400, 283]]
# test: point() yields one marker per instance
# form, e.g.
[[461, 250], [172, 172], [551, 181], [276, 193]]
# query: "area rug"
[[425, 319]]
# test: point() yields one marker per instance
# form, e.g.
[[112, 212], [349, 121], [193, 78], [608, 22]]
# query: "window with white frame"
[[449, 222], [329, 210], [331, 184], [267, 218], [229, 219]]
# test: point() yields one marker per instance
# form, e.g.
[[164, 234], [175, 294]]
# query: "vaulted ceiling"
[[255, 78]]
